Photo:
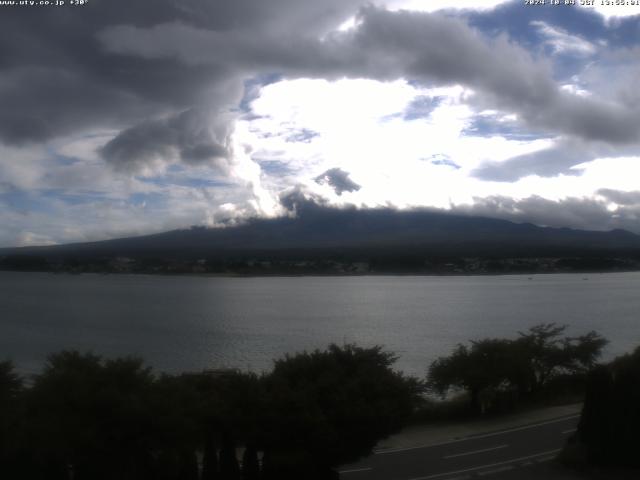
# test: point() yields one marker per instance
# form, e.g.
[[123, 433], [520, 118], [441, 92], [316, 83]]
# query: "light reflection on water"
[[191, 323]]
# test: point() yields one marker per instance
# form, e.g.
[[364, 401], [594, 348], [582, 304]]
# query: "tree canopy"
[[11, 387], [524, 365], [610, 420], [337, 403], [87, 417]]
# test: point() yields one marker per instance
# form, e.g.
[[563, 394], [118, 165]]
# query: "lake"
[[181, 323]]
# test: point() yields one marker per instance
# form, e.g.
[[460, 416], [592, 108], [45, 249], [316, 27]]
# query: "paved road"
[[478, 456]]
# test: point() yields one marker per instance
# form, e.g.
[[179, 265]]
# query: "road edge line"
[[472, 469], [481, 435]]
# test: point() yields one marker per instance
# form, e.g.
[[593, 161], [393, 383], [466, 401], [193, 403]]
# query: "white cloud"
[[28, 239], [390, 157], [22, 167], [562, 42], [151, 74], [63, 192]]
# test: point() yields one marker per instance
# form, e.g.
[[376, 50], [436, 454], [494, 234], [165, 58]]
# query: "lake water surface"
[[192, 323]]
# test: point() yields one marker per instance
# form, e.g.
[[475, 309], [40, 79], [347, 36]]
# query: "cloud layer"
[[194, 112]]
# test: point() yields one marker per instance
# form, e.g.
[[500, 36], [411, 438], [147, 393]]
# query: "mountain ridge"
[[317, 228]]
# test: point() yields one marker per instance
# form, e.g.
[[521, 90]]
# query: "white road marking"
[[354, 470], [545, 459], [476, 451], [569, 431], [481, 467], [485, 435], [496, 470]]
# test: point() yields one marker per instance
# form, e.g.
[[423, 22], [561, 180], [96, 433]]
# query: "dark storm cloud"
[[572, 212], [547, 162], [621, 197], [58, 78], [125, 66], [388, 45], [297, 200], [39, 103], [434, 48], [188, 135], [446, 50], [581, 213], [339, 180], [558, 159]]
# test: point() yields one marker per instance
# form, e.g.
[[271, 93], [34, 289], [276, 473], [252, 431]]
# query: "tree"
[[326, 408], [90, 415], [11, 389], [210, 458], [542, 353], [229, 467], [524, 365], [250, 463], [483, 366], [10, 383], [610, 420], [224, 407]]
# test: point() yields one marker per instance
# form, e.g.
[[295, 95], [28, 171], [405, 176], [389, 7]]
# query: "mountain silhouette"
[[317, 230]]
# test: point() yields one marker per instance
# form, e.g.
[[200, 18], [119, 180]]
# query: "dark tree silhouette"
[[188, 465], [10, 384], [250, 464], [331, 407], [210, 458], [10, 390], [85, 417], [610, 421], [229, 467], [596, 422], [224, 408], [544, 353], [525, 365], [485, 365]]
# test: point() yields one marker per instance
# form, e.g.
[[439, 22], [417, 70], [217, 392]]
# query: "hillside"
[[352, 235]]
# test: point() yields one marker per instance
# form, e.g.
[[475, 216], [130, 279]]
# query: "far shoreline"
[[530, 274]]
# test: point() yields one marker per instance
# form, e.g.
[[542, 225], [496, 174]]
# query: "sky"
[[130, 117]]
